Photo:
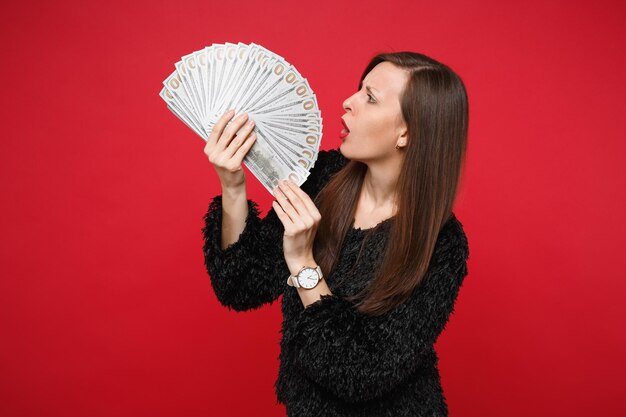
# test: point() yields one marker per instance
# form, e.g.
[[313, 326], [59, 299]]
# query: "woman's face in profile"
[[373, 114]]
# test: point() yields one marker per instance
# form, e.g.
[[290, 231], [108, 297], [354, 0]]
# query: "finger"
[[219, 125], [286, 205], [298, 204], [294, 208], [243, 149], [239, 139], [304, 197], [282, 216], [231, 129]]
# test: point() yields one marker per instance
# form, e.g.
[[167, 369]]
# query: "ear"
[[403, 132]]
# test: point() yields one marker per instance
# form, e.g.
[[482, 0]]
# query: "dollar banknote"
[[250, 79]]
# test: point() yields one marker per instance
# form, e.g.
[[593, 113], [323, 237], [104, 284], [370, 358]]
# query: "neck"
[[379, 184]]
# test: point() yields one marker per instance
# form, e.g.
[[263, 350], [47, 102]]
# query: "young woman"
[[367, 254]]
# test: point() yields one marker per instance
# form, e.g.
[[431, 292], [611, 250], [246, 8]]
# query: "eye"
[[371, 99]]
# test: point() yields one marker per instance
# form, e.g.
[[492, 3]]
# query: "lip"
[[346, 131]]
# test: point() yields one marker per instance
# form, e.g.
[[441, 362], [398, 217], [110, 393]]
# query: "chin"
[[348, 154], [341, 149]]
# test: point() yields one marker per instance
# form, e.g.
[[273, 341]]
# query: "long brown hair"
[[434, 106]]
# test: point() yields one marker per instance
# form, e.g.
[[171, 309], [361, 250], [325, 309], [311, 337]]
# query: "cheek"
[[380, 127]]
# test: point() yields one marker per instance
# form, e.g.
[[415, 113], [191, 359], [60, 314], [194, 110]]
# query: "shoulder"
[[452, 248], [328, 163]]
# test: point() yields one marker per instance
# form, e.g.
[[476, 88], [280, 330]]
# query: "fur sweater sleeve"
[[252, 271], [358, 357], [248, 273]]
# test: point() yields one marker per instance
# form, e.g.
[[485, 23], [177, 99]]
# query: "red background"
[[105, 305]]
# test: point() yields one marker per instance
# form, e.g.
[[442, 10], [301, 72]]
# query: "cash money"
[[250, 79]]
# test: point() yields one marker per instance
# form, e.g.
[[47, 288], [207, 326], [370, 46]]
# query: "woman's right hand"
[[226, 148]]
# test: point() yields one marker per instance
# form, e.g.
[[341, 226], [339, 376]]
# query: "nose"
[[346, 104]]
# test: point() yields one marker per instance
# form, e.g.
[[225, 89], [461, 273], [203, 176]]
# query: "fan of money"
[[253, 80]]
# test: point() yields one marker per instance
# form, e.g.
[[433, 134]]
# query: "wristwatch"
[[308, 277]]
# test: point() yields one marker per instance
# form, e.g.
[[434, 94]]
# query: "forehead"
[[387, 79]]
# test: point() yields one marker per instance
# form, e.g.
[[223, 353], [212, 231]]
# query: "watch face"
[[308, 278]]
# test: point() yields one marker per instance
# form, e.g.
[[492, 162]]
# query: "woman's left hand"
[[300, 217]]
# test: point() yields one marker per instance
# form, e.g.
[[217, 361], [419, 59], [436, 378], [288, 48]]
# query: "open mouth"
[[345, 131]]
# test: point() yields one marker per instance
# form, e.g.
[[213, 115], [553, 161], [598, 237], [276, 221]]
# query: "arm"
[[248, 268], [234, 214], [251, 271], [358, 357]]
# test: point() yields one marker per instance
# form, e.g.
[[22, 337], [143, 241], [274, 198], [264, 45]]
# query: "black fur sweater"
[[333, 360]]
